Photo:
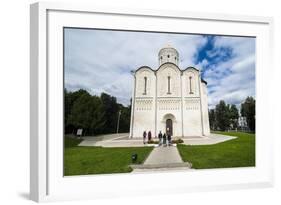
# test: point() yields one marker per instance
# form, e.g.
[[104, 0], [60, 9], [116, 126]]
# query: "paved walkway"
[[163, 155], [207, 140], [162, 159]]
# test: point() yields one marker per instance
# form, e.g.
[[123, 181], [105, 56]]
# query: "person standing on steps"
[[169, 137], [144, 137], [149, 136], [160, 138], [164, 140]]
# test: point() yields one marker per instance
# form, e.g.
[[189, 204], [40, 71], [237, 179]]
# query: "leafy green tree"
[[69, 99], [111, 110], [222, 116], [94, 114], [124, 125], [87, 113], [248, 110], [212, 119], [233, 116]]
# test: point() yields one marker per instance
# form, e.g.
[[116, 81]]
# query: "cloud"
[[231, 79], [101, 61]]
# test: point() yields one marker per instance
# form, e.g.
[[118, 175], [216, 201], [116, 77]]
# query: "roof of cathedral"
[[190, 67], [204, 81]]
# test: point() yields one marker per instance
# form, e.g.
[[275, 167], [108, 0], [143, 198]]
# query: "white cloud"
[[101, 61], [239, 82]]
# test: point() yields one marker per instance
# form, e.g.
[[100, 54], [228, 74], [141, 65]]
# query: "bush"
[[177, 141], [152, 142], [174, 141]]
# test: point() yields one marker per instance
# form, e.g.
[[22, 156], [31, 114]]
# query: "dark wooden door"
[[169, 127]]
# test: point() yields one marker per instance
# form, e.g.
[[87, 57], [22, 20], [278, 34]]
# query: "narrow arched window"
[[169, 85], [190, 85], [145, 85]]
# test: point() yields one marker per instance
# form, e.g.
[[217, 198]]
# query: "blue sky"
[[101, 61]]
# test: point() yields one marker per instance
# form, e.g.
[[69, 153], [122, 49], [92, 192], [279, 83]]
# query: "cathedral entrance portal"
[[169, 126]]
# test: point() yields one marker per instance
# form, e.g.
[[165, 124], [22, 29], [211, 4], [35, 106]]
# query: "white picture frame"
[[46, 177]]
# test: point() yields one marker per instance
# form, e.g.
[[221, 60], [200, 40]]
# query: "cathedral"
[[169, 98]]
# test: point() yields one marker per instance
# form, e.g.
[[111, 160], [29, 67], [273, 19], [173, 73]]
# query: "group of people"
[[164, 139]]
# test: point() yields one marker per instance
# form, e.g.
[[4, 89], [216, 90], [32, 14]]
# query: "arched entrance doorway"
[[169, 127]]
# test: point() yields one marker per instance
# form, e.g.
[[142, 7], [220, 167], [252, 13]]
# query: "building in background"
[[242, 123]]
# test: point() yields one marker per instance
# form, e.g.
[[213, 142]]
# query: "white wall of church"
[[169, 101], [190, 83], [169, 109], [206, 123], [165, 71], [192, 117], [169, 93], [140, 83], [191, 103], [144, 103]]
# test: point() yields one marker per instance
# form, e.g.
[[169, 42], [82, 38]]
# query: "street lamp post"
[[119, 113]]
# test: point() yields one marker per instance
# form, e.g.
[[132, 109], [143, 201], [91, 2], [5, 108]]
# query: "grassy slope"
[[99, 160], [71, 142], [239, 152]]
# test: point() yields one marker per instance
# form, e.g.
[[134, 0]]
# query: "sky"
[[102, 60]]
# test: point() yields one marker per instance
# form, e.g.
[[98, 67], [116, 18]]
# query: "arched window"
[[169, 85], [145, 84], [168, 56], [190, 85]]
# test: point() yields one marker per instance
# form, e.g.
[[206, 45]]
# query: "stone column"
[[182, 99], [133, 108], [200, 97]]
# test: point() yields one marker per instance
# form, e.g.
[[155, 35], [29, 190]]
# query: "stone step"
[[163, 165]]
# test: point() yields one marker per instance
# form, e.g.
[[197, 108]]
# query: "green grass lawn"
[[239, 152], [99, 160], [71, 141]]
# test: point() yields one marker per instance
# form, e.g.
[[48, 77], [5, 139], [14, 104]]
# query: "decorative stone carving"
[[192, 104], [143, 104], [169, 104]]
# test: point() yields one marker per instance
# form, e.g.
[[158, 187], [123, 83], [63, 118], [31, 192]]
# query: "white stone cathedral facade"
[[168, 97]]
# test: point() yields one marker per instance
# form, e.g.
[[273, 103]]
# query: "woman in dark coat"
[[169, 139], [169, 136], [164, 139], [144, 137], [160, 136], [149, 135]]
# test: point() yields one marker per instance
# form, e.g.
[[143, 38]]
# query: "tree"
[[69, 99], [222, 116], [125, 117], [87, 113], [248, 110], [233, 116], [111, 109], [212, 119], [94, 114]]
